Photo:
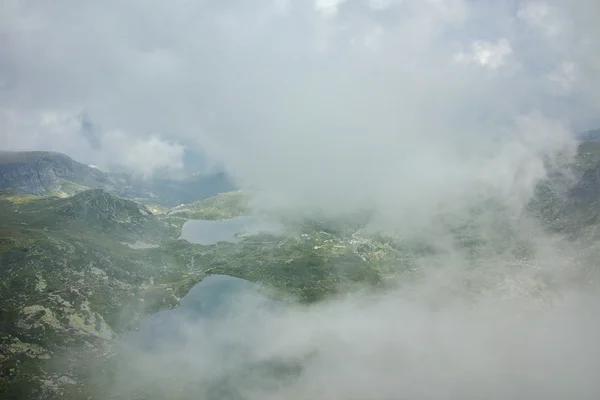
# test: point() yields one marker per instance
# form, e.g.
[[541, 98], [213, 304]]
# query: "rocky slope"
[[71, 278], [76, 273], [44, 173]]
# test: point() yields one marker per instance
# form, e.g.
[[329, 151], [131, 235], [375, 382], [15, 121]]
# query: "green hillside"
[[78, 272]]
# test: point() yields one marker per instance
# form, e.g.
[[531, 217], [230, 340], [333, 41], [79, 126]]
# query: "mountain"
[[587, 190], [79, 272], [47, 173], [577, 211], [74, 273], [42, 173], [568, 201], [95, 209]]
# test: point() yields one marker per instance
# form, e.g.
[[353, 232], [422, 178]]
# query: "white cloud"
[[243, 79], [328, 8], [146, 156], [371, 38], [492, 55], [292, 105], [381, 4], [487, 54], [543, 18], [564, 77], [54, 130], [62, 131]]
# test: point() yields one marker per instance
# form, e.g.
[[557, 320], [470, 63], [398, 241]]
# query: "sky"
[[305, 99]]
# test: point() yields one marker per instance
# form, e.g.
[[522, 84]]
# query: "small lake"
[[208, 232], [218, 302], [198, 347]]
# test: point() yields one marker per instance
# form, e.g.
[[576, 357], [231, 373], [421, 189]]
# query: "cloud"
[[487, 54], [544, 18], [146, 156], [328, 8], [56, 130], [565, 76], [364, 108], [70, 132], [305, 91], [340, 105], [430, 338]]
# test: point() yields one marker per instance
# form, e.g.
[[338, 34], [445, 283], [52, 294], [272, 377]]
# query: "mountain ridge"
[[80, 271], [42, 173]]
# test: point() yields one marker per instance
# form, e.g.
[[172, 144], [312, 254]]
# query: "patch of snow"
[[140, 245]]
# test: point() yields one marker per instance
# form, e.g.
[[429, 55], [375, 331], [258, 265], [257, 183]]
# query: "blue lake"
[[217, 304], [196, 349]]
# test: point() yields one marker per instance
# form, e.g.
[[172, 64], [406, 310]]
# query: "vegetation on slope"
[[68, 282], [78, 272], [222, 206]]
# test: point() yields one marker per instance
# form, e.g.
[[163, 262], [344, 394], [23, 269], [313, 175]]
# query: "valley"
[[79, 271], [81, 268]]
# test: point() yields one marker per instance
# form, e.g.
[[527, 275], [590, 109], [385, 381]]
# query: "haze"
[[423, 110]]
